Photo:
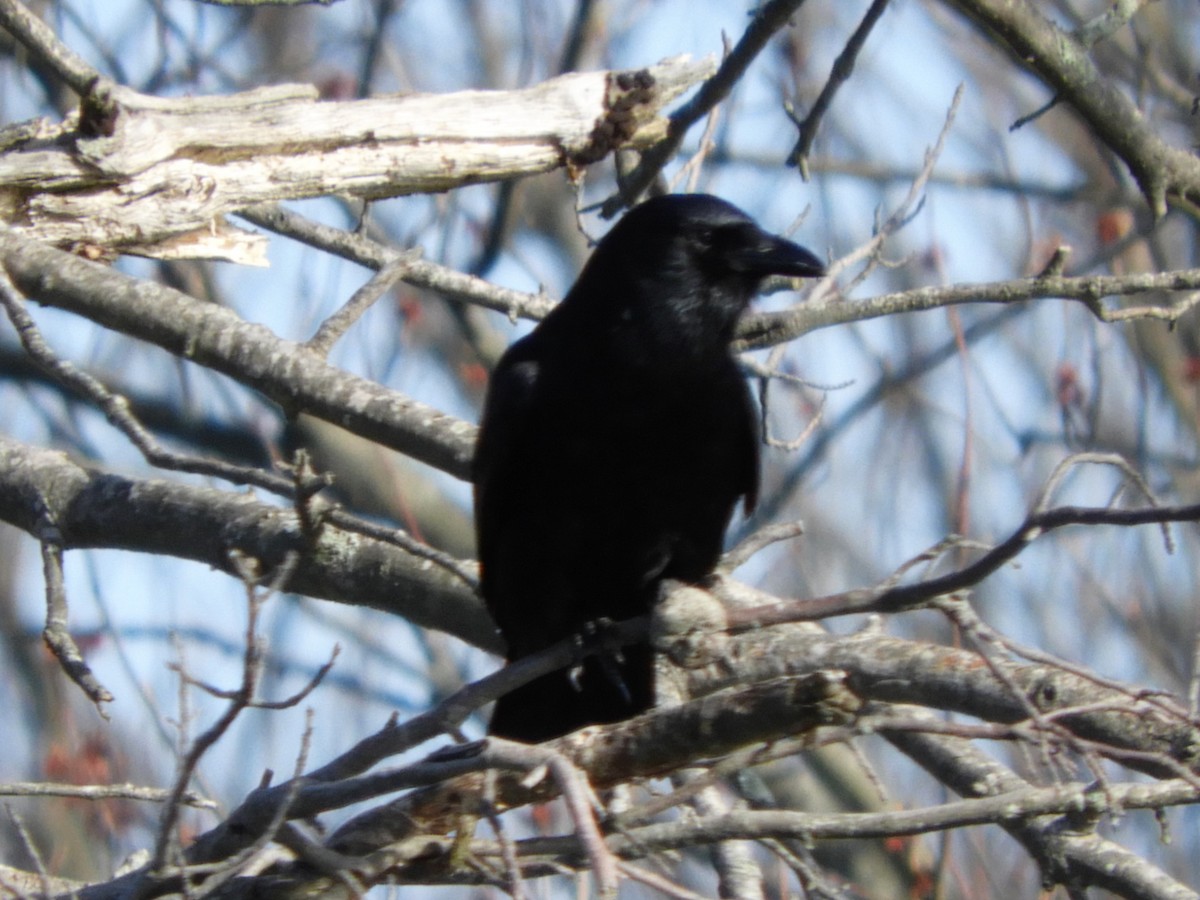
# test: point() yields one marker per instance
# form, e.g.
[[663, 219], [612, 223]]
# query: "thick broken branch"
[[131, 173]]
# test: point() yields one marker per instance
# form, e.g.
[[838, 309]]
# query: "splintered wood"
[[130, 173]]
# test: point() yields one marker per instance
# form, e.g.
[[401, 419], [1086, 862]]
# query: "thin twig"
[[508, 847], [276, 829], [660, 883], [981, 637], [251, 671], [100, 792], [362, 300], [764, 537], [739, 876], [691, 169], [37, 37], [768, 19], [580, 802], [28, 845], [295, 484], [420, 273], [56, 633], [1108, 23], [116, 407], [904, 597], [843, 66], [1102, 459]]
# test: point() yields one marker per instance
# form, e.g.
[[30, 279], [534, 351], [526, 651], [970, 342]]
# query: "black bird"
[[616, 440]]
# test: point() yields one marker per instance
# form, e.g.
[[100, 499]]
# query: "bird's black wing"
[[749, 430], [503, 431], [530, 539]]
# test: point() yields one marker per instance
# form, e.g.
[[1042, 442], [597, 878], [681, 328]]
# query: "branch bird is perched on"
[[616, 440]]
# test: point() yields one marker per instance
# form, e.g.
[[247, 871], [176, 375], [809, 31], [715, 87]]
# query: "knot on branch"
[[98, 111], [689, 625], [630, 100]]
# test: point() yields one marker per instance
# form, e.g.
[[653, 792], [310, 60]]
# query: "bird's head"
[[695, 255]]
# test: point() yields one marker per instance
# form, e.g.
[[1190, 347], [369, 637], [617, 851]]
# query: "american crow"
[[616, 440]]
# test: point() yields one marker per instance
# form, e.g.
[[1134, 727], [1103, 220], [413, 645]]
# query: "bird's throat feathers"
[[646, 320], [699, 323]]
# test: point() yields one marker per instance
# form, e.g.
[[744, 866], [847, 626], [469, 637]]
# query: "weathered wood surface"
[[130, 173]]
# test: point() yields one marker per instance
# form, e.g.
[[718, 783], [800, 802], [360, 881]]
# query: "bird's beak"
[[772, 255]]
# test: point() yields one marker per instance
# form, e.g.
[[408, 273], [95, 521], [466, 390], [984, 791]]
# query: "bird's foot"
[[601, 638], [598, 638]]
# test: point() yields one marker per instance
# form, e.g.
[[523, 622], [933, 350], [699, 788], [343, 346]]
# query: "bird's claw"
[[597, 638]]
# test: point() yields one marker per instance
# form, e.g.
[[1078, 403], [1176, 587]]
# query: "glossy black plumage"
[[616, 440]]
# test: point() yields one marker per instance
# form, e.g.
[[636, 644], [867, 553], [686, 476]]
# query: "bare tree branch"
[[94, 509], [1061, 60], [769, 18], [891, 599], [216, 337], [765, 329], [37, 37], [129, 174]]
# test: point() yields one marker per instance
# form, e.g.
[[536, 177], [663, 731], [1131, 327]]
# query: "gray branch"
[[96, 509]]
